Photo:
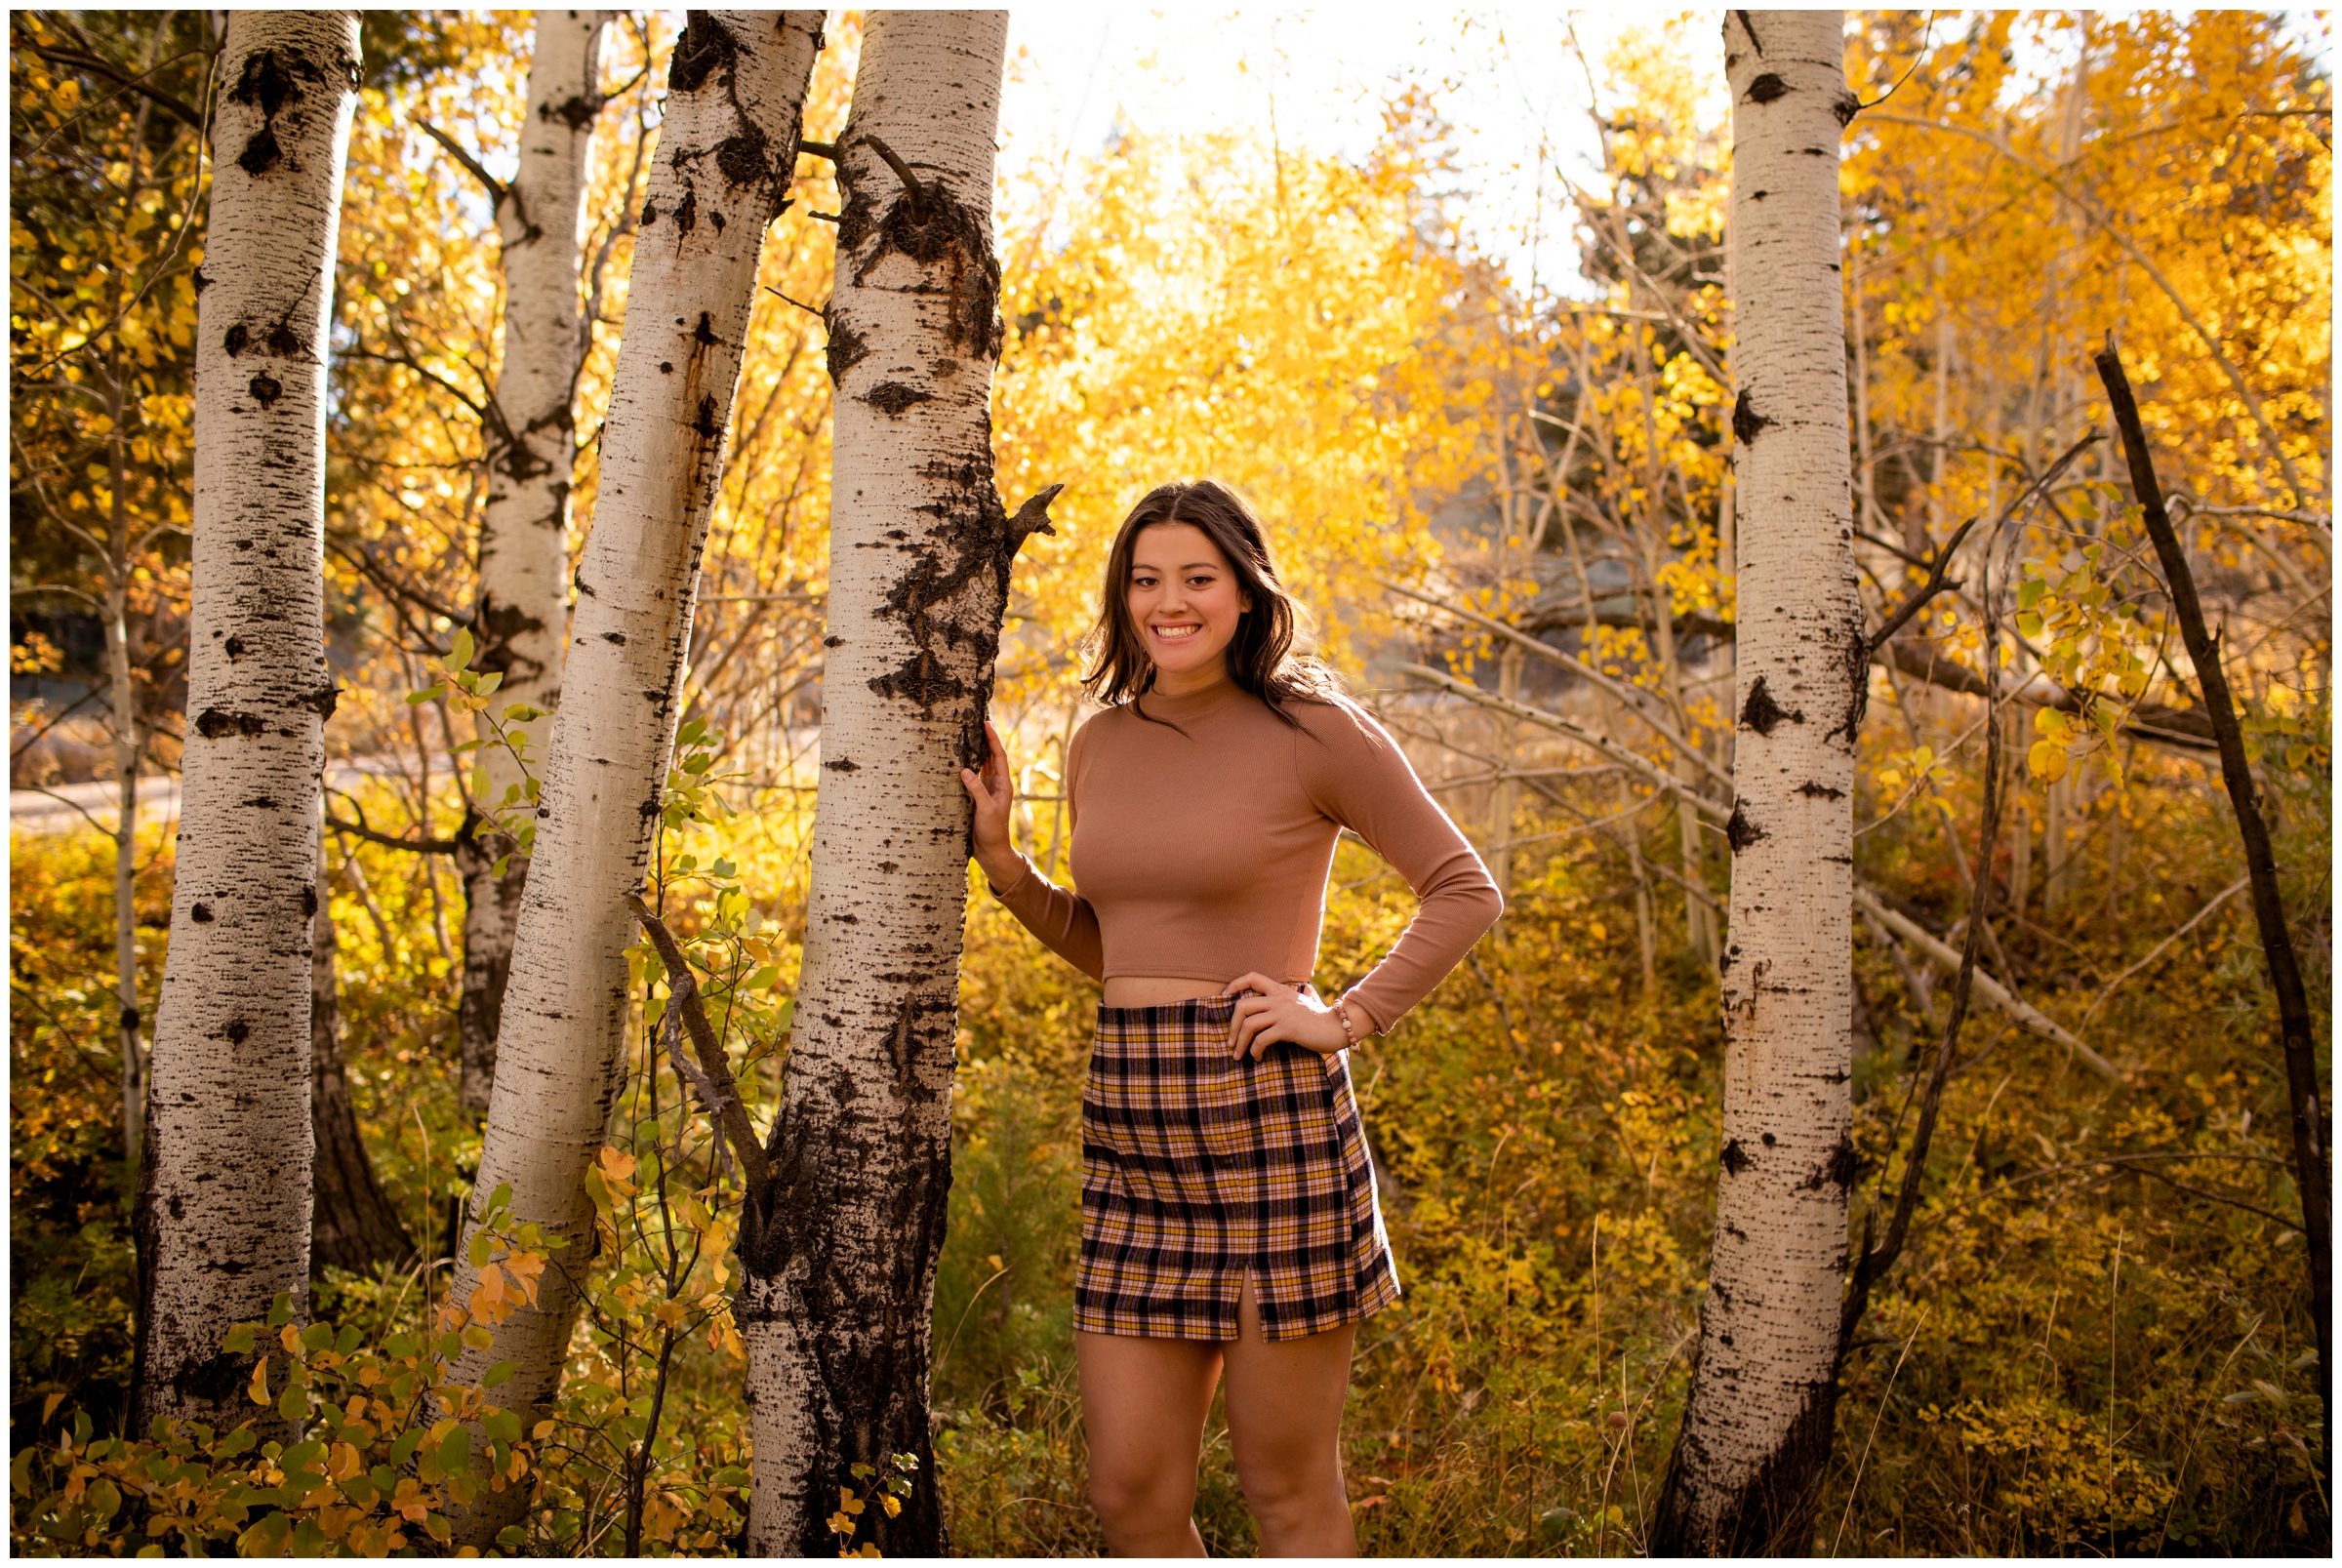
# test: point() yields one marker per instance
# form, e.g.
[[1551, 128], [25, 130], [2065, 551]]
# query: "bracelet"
[[1350, 1033]]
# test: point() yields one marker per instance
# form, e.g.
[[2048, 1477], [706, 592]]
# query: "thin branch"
[[92, 63], [910, 181], [420, 846], [497, 191], [683, 991], [2195, 921], [1626, 696], [1649, 770]]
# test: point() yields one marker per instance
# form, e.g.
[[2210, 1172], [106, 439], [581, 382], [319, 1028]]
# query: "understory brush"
[[2097, 1341]]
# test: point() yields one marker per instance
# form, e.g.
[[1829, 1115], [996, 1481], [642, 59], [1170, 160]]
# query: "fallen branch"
[[717, 1089], [1944, 957]]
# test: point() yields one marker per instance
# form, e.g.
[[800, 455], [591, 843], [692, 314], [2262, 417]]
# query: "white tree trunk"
[[735, 93], [838, 1254], [224, 1202], [522, 612], [1757, 1424]]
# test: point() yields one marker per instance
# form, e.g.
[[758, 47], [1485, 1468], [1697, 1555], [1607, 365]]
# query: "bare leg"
[[1284, 1420], [1144, 1402]]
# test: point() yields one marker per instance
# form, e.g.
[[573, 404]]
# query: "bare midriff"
[[1158, 990]]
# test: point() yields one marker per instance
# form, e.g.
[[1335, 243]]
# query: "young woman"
[[1228, 1223]]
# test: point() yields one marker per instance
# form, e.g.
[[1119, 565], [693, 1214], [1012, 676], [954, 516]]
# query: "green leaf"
[[482, 1244], [317, 1336], [280, 1310], [239, 1441], [522, 714], [455, 1451], [408, 1441], [348, 1340], [460, 656], [502, 1198], [239, 1340], [430, 694], [504, 1426], [488, 682], [499, 1374], [294, 1403]]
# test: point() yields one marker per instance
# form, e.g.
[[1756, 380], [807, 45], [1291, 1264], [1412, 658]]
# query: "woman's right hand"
[[994, 791]]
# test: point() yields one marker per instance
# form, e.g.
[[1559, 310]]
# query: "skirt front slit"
[[1198, 1169]]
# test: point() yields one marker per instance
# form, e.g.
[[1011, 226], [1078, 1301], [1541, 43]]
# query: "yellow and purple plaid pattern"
[[1196, 1167]]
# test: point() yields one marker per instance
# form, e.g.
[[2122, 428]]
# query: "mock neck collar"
[[1193, 705]]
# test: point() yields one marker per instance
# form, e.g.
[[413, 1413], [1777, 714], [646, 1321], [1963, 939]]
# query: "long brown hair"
[[1261, 658]]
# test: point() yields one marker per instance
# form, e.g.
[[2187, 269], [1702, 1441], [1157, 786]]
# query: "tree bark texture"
[[222, 1218], [736, 90], [352, 1223], [522, 609], [838, 1252], [1757, 1424]]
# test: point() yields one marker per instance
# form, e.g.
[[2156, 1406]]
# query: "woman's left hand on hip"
[[1270, 1010]]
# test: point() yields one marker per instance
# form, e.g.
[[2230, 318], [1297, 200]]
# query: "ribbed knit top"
[[1201, 852]]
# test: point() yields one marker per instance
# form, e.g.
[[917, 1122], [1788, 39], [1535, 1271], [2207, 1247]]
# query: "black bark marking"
[[741, 158], [1762, 714], [1739, 831], [891, 398], [1735, 1158], [703, 334], [687, 215], [1766, 87], [833, 642], [942, 236], [1769, 1140], [215, 1379], [324, 699], [576, 111], [650, 212], [1746, 421], [233, 647], [235, 340], [1845, 108], [262, 153], [201, 914], [847, 348], [706, 48], [201, 282], [261, 803], [308, 902], [238, 1031], [265, 389], [1854, 665], [619, 638], [285, 342], [707, 424], [212, 723], [843, 765], [1819, 791]]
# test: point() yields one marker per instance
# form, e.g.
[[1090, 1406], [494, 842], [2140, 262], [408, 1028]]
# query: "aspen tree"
[[223, 1199], [736, 92], [521, 611], [838, 1250], [1757, 1421]]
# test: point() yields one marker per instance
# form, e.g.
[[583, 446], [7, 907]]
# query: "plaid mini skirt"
[[1197, 1168]]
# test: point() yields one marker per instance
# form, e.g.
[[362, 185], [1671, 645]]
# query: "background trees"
[[2080, 1248]]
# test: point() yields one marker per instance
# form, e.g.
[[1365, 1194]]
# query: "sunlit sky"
[[1506, 81]]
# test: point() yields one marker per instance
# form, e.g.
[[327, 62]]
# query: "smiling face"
[[1186, 601]]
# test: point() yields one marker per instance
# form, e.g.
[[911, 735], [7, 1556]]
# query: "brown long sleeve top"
[[1202, 851]]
